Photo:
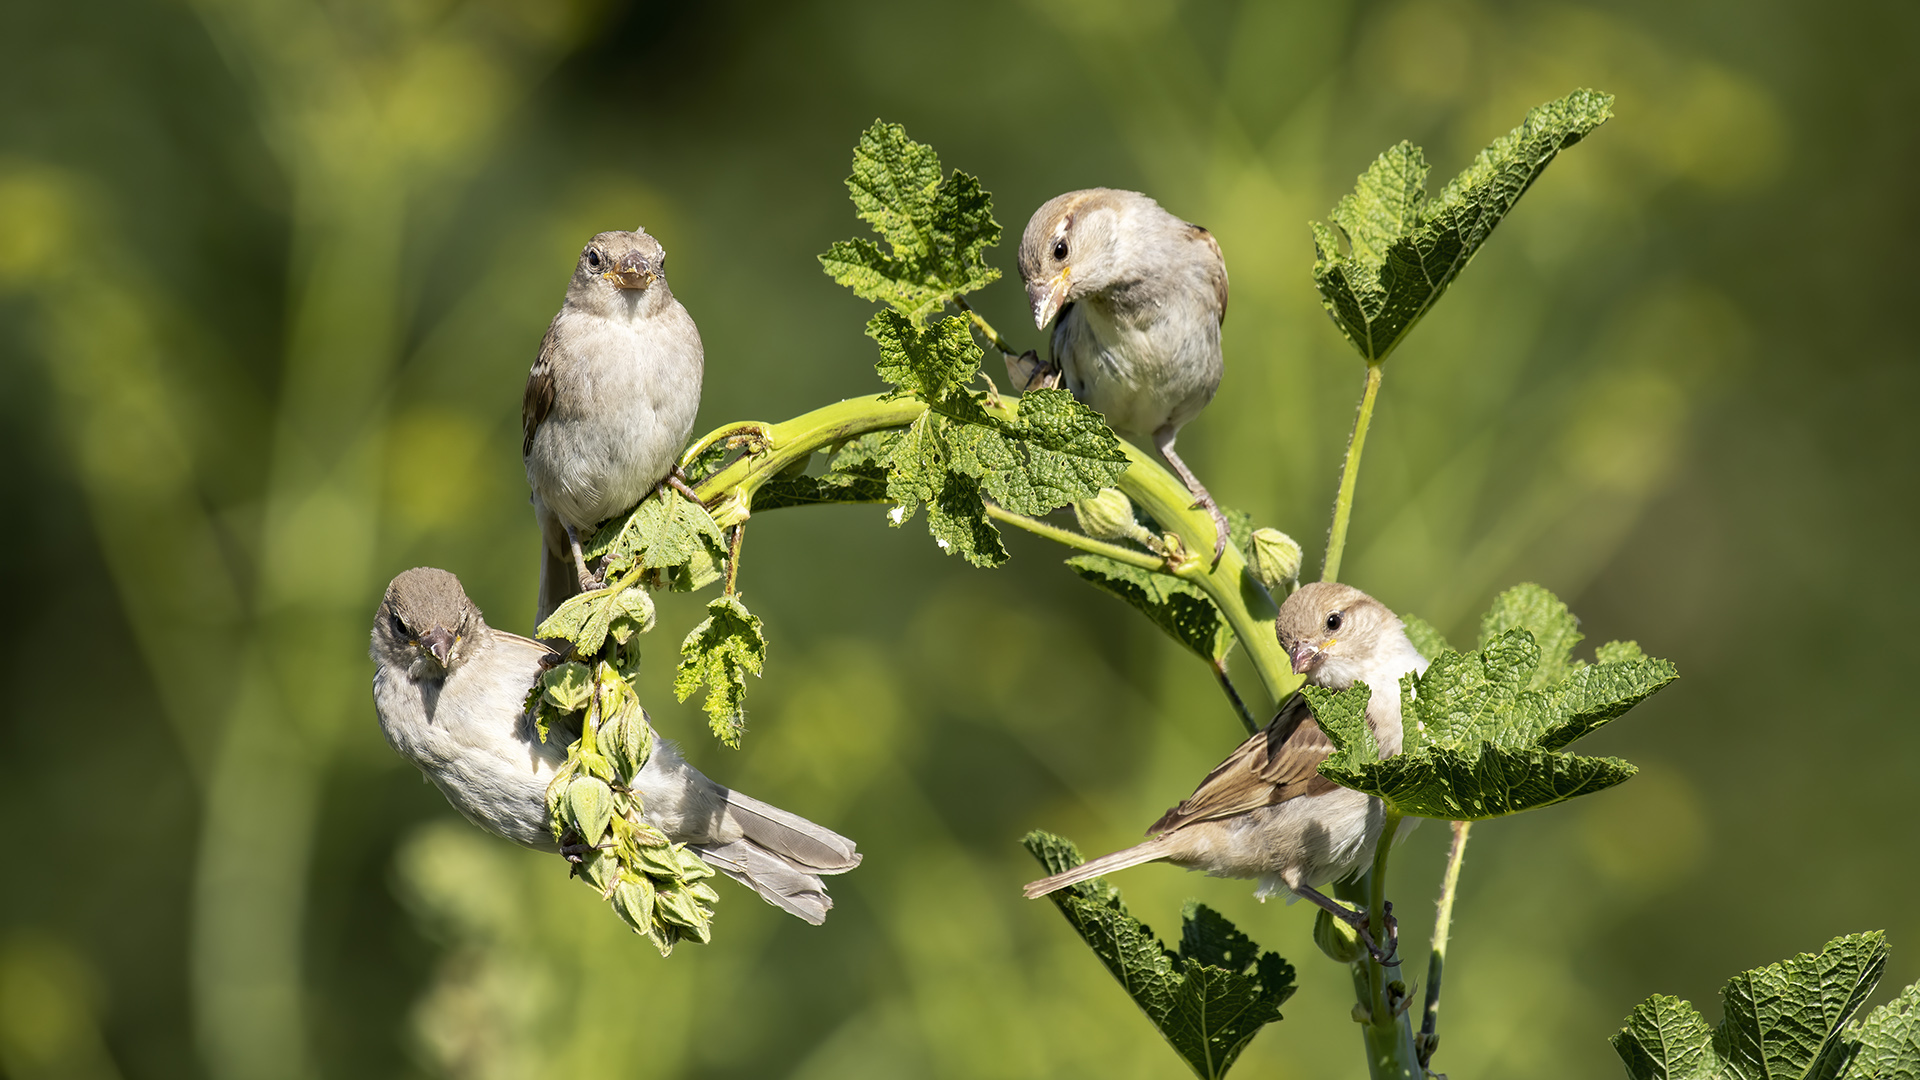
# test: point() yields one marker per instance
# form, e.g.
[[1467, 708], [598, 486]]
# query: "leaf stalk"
[[1429, 1038], [1350, 475]]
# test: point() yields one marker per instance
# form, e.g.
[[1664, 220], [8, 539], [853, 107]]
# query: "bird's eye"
[[593, 258], [399, 628], [1060, 250], [1333, 622]]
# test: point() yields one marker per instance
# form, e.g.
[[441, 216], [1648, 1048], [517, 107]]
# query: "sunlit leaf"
[[1389, 253]]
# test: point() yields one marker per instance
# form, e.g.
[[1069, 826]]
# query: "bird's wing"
[[539, 399], [1216, 268], [1280, 762], [547, 654]]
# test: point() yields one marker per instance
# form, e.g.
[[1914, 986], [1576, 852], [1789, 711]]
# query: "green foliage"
[[1483, 730], [1785, 1019], [720, 653], [667, 532], [1051, 452], [655, 887], [1182, 610], [1425, 636], [1390, 253], [1208, 999], [935, 229]]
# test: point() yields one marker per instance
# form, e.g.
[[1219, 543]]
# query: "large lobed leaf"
[[1788, 1019], [1208, 999], [1483, 731], [934, 230], [1052, 452], [1389, 253]]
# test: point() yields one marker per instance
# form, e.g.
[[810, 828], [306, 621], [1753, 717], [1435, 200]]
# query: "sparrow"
[[610, 401], [1137, 297], [451, 694], [1266, 812]]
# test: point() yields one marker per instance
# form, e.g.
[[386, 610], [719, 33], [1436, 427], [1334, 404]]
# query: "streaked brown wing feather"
[[539, 398], [1280, 762], [1217, 271]]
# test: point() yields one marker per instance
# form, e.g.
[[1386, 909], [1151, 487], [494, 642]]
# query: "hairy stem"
[[1350, 475], [986, 328], [1076, 540], [1429, 1038]]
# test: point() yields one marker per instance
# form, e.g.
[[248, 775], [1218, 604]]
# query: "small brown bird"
[[1139, 296], [451, 693], [1266, 812], [610, 401]]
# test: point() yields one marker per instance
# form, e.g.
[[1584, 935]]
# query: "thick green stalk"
[[1242, 600], [1349, 476], [730, 491], [1386, 1029]]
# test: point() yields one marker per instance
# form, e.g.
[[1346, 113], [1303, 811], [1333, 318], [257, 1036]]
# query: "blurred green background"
[[271, 275]]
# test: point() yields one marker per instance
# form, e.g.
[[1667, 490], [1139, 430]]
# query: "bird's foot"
[[1220, 530], [677, 481], [1362, 925], [1028, 372]]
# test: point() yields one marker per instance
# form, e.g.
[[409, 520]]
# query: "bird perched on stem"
[[451, 693], [1266, 812], [610, 401], [1137, 297]]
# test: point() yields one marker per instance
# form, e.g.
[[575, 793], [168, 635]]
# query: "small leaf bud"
[[1109, 516], [1276, 559]]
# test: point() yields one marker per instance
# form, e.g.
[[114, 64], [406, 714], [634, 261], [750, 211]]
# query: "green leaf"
[[1483, 730], [667, 532], [1183, 610], [1209, 999], [720, 653], [1053, 451], [935, 362], [1389, 253], [935, 230], [590, 802], [1426, 637], [1532, 608], [1058, 452], [1888, 1040], [1785, 1019]]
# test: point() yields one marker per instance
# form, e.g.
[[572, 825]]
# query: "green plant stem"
[[1429, 1038], [1076, 540], [1242, 600], [1387, 1031], [729, 492], [986, 328], [1350, 475]]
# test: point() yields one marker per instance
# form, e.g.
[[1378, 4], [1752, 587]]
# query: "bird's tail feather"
[[1100, 867], [779, 882], [792, 837]]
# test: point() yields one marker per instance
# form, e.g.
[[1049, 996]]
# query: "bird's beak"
[[1304, 655], [1048, 297], [439, 642], [632, 272]]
